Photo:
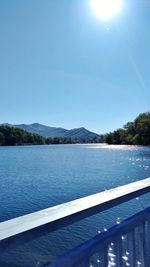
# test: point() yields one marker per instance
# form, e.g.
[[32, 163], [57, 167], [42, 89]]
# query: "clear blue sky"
[[61, 66]]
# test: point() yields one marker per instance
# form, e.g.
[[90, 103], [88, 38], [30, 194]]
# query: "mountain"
[[42, 130], [82, 134], [78, 134]]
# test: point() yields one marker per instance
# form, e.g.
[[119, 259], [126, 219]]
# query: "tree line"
[[10, 136], [133, 133]]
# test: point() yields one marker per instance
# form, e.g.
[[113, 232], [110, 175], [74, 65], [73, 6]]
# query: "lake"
[[38, 177]]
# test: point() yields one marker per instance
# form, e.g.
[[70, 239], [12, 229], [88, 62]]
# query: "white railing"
[[28, 227]]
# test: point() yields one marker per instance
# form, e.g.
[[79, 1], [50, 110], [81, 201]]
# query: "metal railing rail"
[[28, 227], [125, 244]]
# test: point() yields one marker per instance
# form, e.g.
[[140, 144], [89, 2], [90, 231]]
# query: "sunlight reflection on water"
[[113, 147], [37, 177]]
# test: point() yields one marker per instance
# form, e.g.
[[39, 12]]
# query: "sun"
[[106, 9]]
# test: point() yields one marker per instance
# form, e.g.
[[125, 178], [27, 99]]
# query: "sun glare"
[[106, 9]]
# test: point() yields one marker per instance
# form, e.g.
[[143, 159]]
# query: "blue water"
[[37, 177]]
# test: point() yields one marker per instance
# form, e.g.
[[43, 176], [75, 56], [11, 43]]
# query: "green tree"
[[2, 139], [133, 133], [142, 127]]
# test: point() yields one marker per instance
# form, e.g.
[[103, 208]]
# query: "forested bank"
[[133, 133], [10, 136]]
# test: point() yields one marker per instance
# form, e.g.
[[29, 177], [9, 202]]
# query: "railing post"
[[147, 243], [131, 248], [118, 252], [141, 241], [104, 257]]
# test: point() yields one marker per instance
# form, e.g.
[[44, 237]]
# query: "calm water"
[[37, 177]]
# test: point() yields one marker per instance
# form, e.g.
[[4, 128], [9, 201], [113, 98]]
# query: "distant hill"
[[42, 130], [77, 134], [82, 135]]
